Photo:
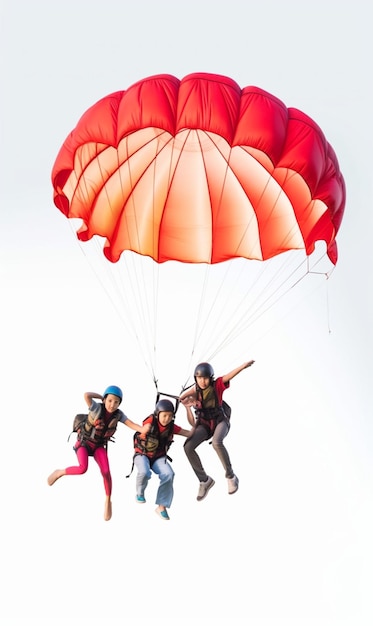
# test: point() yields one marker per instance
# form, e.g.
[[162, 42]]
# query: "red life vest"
[[156, 442]]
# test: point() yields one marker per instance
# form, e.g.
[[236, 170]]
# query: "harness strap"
[[133, 465]]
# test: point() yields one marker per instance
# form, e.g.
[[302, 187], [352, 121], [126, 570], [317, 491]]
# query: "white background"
[[294, 545]]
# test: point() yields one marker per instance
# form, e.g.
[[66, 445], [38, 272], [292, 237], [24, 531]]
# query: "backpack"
[[227, 410], [87, 431], [78, 423]]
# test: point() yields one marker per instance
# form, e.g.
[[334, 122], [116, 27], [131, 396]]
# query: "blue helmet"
[[116, 391], [164, 405]]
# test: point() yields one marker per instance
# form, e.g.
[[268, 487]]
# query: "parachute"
[[200, 172]]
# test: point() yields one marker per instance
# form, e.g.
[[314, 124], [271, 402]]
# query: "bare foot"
[[55, 476], [108, 511]]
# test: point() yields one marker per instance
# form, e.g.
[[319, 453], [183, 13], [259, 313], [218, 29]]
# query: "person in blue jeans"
[[151, 455]]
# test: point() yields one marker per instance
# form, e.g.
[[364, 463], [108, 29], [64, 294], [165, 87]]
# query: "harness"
[[210, 416], [100, 434], [155, 444]]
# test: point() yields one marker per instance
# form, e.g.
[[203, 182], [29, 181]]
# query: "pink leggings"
[[102, 460]]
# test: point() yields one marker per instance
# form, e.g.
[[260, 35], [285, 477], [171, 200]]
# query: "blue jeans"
[[166, 474]]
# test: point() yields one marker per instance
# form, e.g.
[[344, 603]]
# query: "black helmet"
[[205, 370], [164, 405]]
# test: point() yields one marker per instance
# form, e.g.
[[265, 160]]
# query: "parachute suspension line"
[[110, 285], [141, 303], [155, 281], [317, 262], [227, 162], [150, 276], [267, 302], [246, 323], [154, 286], [133, 280], [197, 330], [201, 322], [229, 268], [84, 249], [327, 276], [328, 308], [246, 316], [171, 175], [141, 280], [144, 276], [144, 282], [120, 286], [204, 325], [102, 283], [263, 307]]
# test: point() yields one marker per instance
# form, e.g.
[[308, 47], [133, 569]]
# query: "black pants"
[[200, 434]]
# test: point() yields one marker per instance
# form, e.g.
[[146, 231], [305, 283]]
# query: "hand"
[[250, 363], [189, 401], [145, 429]]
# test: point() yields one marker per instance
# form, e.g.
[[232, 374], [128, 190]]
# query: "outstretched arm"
[[237, 370], [184, 432], [141, 429]]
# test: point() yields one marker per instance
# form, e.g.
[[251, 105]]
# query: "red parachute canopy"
[[199, 170]]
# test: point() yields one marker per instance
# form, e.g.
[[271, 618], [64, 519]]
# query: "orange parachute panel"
[[199, 170]]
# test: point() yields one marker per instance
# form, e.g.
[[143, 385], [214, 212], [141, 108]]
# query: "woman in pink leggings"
[[94, 432]]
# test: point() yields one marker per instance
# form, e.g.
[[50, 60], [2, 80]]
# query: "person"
[[151, 455], [212, 420], [93, 434]]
